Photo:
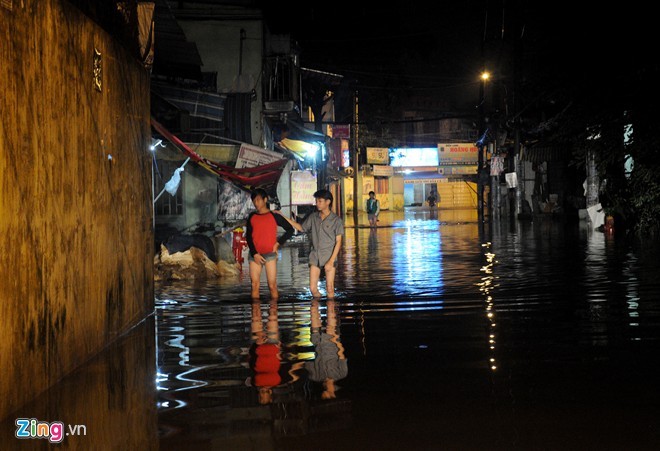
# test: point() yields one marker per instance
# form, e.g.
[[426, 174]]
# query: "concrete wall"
[[75, 227], [112, 396]]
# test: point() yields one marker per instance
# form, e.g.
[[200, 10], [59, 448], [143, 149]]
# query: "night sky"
[[550, 54], [438, 45]]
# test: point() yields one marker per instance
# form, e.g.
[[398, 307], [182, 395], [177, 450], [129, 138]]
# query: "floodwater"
[[444, 335]]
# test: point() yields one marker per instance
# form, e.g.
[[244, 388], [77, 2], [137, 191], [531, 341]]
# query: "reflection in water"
[[265, 353], [417, 259], [486, 287], [571, 358], [109, 403], [632, 295], [251, 374], [330, 364]]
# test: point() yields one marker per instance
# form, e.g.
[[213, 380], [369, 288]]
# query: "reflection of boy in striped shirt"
[[261, 237]]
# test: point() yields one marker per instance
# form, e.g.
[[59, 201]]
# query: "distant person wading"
[[373, 209]]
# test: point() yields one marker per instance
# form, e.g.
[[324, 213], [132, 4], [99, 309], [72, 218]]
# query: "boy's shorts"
[[315, 261], [269, 256]]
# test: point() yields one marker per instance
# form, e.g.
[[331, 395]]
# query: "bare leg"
[[314, 274], [315, 315], [272, 327], [257, 325], [271, 277], [255, 277], [330, 281]]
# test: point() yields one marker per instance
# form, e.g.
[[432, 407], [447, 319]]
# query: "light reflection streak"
[[177, 342], [597, 289], [485, 287], [417, 260], [195, 382], [632, 295]]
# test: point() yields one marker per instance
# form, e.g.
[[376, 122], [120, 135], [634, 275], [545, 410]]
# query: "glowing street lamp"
[[485, 76]]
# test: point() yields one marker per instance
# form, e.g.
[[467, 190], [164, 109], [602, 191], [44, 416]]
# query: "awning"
[[305, 134], [539, 154], [422, 177], [297, 147], [265, 176]]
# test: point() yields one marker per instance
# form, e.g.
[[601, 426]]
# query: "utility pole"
[[356, 152], [481, 146], [481, 140], [240, 52], [517, 77]]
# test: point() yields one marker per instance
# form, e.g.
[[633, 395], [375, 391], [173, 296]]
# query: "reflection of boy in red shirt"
[[267, 365], [261, 237], [266, 357]]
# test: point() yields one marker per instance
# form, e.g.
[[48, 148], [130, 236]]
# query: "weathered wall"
[[75, 226], [112, 396], [219, 44]]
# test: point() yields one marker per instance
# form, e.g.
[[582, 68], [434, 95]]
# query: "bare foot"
[[316, 294]]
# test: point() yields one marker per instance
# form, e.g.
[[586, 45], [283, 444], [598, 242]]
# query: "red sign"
[[341, 131]]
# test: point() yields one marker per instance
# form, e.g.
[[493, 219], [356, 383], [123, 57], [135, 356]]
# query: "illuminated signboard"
[[414, 156], [303, 187], [458, 153], [378, 155]]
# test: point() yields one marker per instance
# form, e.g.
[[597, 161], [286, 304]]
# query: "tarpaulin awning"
[[304, 133], [265, 176], [422, 177], [299, 148]]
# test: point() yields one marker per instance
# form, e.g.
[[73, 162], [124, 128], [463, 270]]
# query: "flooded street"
[[525, 336], [538, 336]]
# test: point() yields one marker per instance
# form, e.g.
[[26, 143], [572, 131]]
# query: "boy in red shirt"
[[261, 236]]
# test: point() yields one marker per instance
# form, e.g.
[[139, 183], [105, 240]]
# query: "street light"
[[485, 76]]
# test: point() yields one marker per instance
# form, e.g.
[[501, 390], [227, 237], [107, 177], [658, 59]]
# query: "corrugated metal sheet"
[[173, 52], [539, 154], [201, 104], [238, 108]]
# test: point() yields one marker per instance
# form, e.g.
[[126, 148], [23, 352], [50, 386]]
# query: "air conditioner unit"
[[279, 106]]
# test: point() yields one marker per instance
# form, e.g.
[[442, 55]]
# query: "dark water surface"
[[524, 336]]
